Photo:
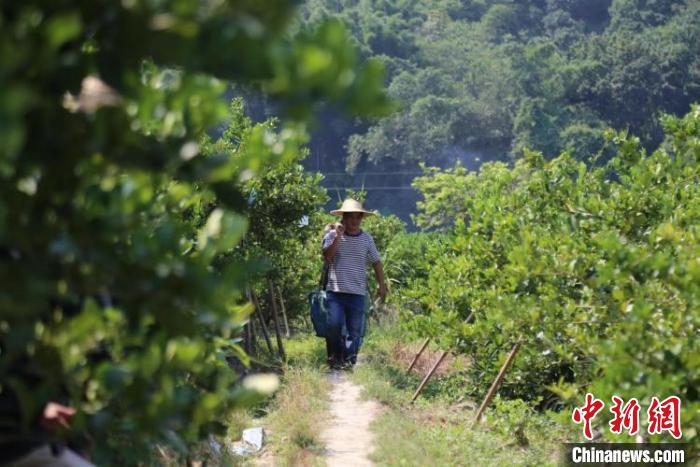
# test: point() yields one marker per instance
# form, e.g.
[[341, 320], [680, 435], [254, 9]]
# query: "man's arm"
[[379, 273], [329, 252]]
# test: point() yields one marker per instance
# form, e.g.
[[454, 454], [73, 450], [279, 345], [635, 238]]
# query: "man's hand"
[[379, 272], [56, 416], [330, 251], [381, 292]]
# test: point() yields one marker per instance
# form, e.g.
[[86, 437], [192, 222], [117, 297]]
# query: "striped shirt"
[[348, 268]]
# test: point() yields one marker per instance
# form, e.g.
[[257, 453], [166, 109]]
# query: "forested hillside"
[[481, 80]]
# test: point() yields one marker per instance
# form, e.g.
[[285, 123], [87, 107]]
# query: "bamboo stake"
[[265, 333], [253, 339], [284, 313], [258, 313], [415, 359], [280, 345], [496, 382], [427, 376], [254, 299], [246, 338]]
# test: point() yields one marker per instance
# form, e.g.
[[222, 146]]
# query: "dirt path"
[[347, 437]]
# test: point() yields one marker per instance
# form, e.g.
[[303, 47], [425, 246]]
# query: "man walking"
[[347, 249]]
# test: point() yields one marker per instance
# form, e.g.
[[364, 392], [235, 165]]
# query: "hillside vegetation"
[[480, 80]]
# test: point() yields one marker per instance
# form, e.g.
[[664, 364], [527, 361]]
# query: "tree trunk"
[[273, 309]]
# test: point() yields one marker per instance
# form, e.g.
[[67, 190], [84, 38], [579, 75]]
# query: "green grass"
[[438, 431], [292, 418], [236, 421], [299, 408]]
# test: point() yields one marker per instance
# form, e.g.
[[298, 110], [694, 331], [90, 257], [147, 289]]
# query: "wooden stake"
[[415, 359], [427, 376], [253, 339], [284, 314], [280, 345], [258, 313], [496, 383], [265, 333], [246, 338], [254, 299]]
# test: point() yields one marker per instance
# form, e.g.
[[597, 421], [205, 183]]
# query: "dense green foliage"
[[594, 268], [500, 75], [481, 80], [282, 205], [115, 211]]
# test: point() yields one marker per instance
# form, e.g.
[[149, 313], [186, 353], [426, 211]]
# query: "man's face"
[[352, 220]]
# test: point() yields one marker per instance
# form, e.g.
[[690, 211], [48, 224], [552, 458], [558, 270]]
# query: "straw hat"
[[351, 205]]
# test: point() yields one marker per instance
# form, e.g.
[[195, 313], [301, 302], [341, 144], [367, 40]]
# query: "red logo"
[[626, 416], [662, 416], [665, 416], [586, 413]]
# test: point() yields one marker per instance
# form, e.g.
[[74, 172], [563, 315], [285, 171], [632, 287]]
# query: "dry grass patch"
[[402, 354]]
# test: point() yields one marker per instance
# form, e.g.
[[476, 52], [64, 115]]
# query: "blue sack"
[[319, 313], [319, 310]]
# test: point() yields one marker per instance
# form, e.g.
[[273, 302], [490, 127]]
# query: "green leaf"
[[62, 28]]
